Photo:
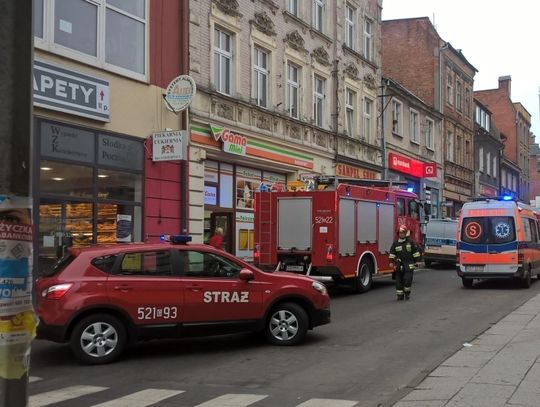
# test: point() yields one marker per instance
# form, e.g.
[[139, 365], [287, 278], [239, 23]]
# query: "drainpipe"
[[443, 122], [184, 120]]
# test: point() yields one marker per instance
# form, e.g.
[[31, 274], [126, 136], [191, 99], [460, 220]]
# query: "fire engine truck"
[[334, 230]]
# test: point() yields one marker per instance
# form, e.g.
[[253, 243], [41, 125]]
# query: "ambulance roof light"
[[176, 239]]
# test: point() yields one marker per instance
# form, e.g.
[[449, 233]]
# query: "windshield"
[[488, 230]]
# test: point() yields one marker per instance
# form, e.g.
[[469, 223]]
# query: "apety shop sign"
[[233, 143]]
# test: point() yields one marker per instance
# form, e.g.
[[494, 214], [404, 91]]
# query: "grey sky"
[[498, 38]]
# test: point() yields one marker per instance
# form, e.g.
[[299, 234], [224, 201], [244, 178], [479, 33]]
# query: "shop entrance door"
[[223, 220]]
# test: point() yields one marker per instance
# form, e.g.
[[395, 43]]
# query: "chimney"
[[505, 83]]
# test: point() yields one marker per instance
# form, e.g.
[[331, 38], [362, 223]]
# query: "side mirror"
[[246, 275]]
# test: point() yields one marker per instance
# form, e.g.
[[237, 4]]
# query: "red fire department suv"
[[99, 299]]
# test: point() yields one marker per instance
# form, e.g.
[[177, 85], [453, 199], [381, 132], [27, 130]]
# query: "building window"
[[350, 108], [488, 163], [397, 118], [494, 166], [292, 7], [260, 68], [459, 145], [467, 103], [319, 85], [450, 89], [368, 112], [292, 90], [468, 158], [222, 61], [430, 137], [108, 34], [458, 95], [414, 128], [450, 146], [481, 159], [318, 15], [368, 40], [350, 17]]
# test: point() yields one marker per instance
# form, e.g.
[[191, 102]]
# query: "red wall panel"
[[155, 227], [166, 170], [162, 207]]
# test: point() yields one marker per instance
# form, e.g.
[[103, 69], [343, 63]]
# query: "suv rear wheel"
[[287, 324], [98, 339]]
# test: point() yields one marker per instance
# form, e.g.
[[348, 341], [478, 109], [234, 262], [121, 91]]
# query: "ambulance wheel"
[[287, 324], [467, 282], [98, 339], [363, 280], [526, 280]]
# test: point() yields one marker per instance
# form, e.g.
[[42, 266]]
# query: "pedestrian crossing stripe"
[[33, 379], [149, 397], [328, 402], [233, 400], [67, 393], [141, 398]]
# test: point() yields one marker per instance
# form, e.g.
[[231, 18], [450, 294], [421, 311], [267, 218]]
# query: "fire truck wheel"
[[467, 282], [287, 324], [363, 280]]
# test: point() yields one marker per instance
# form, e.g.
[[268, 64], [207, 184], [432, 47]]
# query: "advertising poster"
[[123, 228], [17, 321], [247, 182]]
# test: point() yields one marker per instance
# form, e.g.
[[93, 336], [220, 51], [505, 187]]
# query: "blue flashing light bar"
[[176, 239], [410, 189], [507, 198]]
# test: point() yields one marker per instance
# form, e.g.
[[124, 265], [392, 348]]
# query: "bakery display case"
[[106, 223]]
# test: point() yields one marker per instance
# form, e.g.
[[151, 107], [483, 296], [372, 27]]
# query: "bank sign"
[[68, 91], [233, 143]]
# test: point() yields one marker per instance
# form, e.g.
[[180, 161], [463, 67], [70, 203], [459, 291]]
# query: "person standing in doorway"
[[404, 254], [217, 239]]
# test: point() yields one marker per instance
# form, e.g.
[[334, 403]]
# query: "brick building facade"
[[441, 76], [514, 123]]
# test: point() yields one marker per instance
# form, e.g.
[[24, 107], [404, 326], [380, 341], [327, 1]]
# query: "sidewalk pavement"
[[501, 367]]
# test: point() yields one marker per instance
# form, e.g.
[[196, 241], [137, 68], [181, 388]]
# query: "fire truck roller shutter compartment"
[[367, 222], [386, 227], [346, 227], [294, 223]]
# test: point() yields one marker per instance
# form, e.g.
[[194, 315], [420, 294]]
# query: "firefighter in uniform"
[[404, 254]]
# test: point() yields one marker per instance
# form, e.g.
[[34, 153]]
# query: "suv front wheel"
[[287, 324], [98, 339]]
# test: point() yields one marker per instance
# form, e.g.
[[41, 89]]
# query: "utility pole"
[[17, 320]]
